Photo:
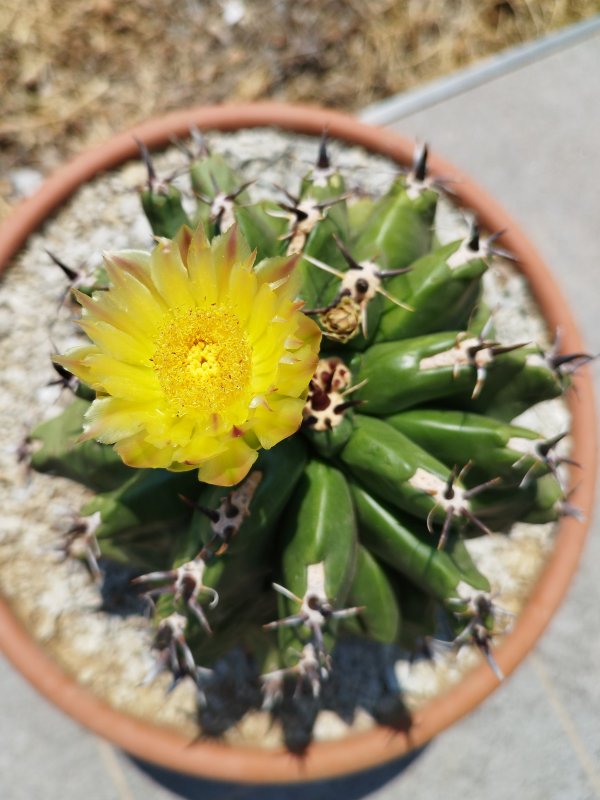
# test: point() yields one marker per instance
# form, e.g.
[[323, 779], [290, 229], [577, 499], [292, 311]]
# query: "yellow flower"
[[199, 358]]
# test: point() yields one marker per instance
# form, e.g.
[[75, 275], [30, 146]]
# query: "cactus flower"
[[198, 358]]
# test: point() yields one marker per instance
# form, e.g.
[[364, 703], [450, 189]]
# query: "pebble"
[[25, 181]]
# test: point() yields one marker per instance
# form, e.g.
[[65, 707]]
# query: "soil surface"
[[72, 72]]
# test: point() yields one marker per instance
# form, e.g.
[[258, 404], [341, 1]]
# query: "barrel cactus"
[[293, 413]]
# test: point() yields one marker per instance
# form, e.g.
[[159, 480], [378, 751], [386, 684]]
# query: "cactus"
[[293, 416]]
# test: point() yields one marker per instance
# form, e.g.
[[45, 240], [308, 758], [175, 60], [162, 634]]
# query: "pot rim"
[[209, 759]]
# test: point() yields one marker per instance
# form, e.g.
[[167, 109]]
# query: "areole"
[[360, 751]]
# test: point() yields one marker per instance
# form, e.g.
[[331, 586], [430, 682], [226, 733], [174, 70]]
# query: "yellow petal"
[[135, 263], [262, 313], [102, 307], [281, 419], [231, 466], [135, 299], [308, 330], [120, 379], [176, 466], [170, 275], [183, 240], [241, 291], [279, 271], [201, 269], [200, 448], [116, 342], [228, 250], [136, 452], [295, 371], [271, 345], [181, 431], [75, 361], [293, 378], [109, 419], [174, 432]]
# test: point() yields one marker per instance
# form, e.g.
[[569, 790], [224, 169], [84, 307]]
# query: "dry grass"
[[73, 71]]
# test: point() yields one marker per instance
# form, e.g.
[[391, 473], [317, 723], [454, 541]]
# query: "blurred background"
[[73, 71]]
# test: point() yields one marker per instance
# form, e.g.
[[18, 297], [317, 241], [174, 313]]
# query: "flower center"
[[202, 360]]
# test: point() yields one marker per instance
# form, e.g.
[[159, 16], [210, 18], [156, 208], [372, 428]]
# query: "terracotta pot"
[[215, 760]]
